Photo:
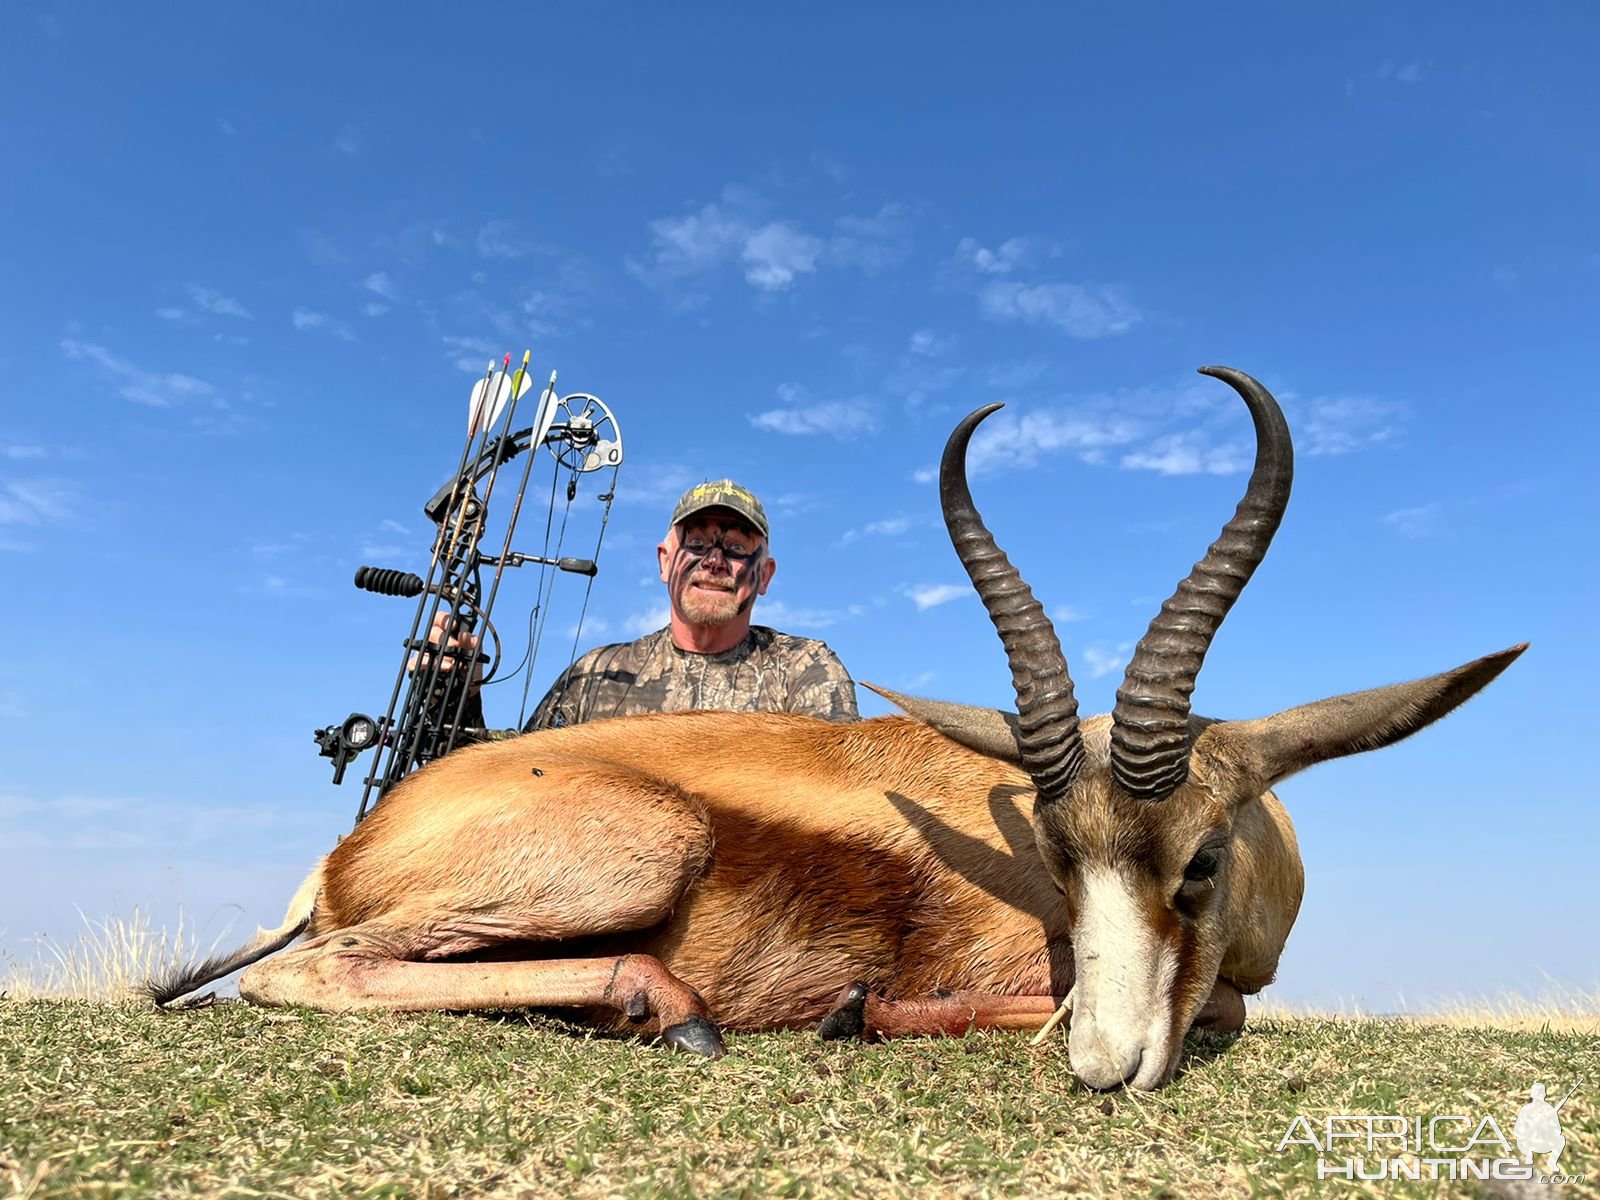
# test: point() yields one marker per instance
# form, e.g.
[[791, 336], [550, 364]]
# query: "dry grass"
[[119, 1100], [112, 1098], [105, 962]]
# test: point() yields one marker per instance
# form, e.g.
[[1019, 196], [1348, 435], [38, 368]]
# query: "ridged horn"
[[1150, 724], [1047, 711]]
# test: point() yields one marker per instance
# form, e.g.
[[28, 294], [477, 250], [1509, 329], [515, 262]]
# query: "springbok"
[[962, 868]]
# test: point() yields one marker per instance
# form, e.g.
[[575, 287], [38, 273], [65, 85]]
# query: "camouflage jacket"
[[767, 672]]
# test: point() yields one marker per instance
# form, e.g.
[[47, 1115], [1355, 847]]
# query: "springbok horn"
[[1150, 724], [1047, 710]]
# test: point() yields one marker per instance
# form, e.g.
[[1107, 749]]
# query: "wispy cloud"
[[1344, 424], [1410, 72], [1190, 453], [804, 417], [380, 283], [17, 452], [784, 616], [348, 141], [770, 254], [648, 621], [931, 595], [1008, 256], [35, 502], [306, 320], [888, 527], [1419, 522], [1081, 310], [216, 303], [503, 239], [1100, 660], [227, 127], [1013, 438], [87, 822], [155, 389], [471, 354]]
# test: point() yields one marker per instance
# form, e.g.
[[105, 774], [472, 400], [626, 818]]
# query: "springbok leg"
[[373, 967], [858, 1013]]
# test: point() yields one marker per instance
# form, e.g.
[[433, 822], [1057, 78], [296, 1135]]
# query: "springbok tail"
[[179, 980]]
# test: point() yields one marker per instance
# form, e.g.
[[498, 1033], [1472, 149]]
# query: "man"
[[715, 562]]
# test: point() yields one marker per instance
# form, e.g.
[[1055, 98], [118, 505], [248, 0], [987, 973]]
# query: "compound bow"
[[583, 436]]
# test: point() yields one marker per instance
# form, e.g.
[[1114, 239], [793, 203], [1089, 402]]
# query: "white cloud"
[[1065, 613], [774, 254], [782, 616], [1343, 424], [214, 302], [1011, 254], [471, 354], [931, 595], [171, 314], [142, 387], [18, 451], [871, 244], [925, 475], [374, 309], [393, 527], [304, 320], [925, 342], [648, 621], [771, 254], [35, 502], [802, 416], [888, 527], [1419, 522], [1189, 454], [1102, 660], [1011, 439], [380, 283], [1081, 310], [502, 239], [348, 141], [227, 127]]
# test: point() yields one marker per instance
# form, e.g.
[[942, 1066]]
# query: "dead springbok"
[[962, 869]]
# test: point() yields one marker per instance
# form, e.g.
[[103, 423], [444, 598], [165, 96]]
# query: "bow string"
[[433, 690]]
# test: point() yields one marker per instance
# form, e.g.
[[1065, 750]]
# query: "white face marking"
[[1123, 993]]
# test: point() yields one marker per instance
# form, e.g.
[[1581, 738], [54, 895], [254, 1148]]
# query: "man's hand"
[[458, 646]]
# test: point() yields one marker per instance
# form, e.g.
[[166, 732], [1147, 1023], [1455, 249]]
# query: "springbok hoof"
[[695, 1036], [848, 1020]]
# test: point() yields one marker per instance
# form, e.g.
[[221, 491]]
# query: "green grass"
[[100, 1099]]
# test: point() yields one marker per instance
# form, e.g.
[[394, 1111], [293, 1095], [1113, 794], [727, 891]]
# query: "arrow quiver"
[[434, 691]]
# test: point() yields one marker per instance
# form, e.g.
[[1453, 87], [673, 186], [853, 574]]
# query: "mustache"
[[720, 583]]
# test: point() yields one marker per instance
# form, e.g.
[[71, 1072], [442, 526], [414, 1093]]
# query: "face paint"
[[715, 573]]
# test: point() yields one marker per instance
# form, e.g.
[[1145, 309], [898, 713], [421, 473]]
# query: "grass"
[[111, 1098]]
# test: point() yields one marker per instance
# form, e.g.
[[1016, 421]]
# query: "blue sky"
[[254, 255]]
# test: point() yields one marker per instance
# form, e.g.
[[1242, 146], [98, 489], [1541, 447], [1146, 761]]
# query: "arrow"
[[518, 387]]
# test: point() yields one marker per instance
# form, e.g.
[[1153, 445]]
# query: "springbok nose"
[[1104, 1063]]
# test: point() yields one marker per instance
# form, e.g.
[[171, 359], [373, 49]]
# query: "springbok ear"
[[1276, 747], [989, 731]]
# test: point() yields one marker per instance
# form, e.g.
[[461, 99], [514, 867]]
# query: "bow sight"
[[438, 680]]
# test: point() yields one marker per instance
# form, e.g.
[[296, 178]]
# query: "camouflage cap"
[[722, 493]]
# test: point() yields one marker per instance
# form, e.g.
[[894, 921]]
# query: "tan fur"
[[660, 872]]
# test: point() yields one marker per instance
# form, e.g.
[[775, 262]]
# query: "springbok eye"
[[1203, 865]]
